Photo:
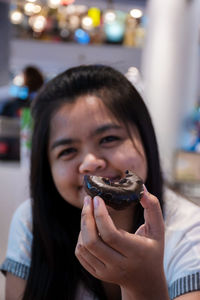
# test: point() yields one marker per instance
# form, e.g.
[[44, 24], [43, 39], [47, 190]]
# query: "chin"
[[76, 203]]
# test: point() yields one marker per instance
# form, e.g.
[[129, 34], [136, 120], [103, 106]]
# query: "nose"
[[91, 164]]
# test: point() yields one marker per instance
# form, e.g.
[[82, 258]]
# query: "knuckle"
[[77, 250], [99, 215], [91, 244], [110, 238], [83, 214], [154, 201]]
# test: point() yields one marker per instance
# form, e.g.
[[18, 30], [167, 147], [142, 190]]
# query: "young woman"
[[65, 245]]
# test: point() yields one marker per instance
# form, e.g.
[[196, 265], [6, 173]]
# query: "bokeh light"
[[16, 17]]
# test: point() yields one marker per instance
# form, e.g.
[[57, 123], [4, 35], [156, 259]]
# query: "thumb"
[[154, 223]]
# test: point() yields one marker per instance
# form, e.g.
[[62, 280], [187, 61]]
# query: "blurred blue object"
[[14, 90], [81, 36], [20, 92], [191, 136], [114, 31], [23, 93]]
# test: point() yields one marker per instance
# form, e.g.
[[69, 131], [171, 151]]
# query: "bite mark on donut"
[[117, 194]]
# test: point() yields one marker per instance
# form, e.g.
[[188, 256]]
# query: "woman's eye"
[[109, 139], [67, 152]]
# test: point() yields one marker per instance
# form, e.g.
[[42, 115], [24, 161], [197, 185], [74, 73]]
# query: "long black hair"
[[56, 224]]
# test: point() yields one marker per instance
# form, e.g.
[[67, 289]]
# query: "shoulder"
[[23, 212], [18, 254], [182, 221], [21, 222], [21, 225], [20, 234], [178, 209], [182, 239]]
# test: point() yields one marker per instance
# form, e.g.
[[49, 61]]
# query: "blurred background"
[[154, 43]]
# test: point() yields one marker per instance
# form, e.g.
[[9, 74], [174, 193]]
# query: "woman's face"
[[85, 138]]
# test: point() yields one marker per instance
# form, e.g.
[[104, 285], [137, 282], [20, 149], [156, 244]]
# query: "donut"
[[116, 194]]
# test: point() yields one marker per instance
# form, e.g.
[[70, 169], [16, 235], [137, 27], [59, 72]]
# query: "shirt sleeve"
[[182, 246], [18, 254]]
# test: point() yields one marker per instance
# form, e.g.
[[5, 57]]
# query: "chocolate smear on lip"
[[118, 194]]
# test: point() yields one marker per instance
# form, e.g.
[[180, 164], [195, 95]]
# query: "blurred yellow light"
[[95, 14], [16, 17], [54, 3], [134, 71], [18, 80], [38, 23], [29, 8], [87, 23], [31, 0], [109, 16], [37, 9], [136, 13]]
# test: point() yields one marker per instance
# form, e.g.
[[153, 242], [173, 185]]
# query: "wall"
[[4, 43], [170, 68], [56, 57]]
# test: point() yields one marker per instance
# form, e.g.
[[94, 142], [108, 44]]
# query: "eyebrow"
[[69, 141], [62, 142], [106, 127]]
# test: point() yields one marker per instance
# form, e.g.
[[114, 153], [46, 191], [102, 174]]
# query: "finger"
[[88, 225], [141, 230], [153, 215], [122, 241], [86, 265], [109, 233], [81, 250], [91, 237], [90, 261]]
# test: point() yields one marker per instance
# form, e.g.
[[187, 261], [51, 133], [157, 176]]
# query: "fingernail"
[[87, 200], [145, 189], [96, 202], [145, 192]]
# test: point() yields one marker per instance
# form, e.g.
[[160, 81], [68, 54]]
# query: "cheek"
[[139, 162], [130, 158], [61, 179], [139, 165]]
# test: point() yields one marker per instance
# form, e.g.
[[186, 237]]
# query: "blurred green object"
[[25, 135]]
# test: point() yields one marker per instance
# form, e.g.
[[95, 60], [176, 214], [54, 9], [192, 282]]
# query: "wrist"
[[147, 291], [143, 295]]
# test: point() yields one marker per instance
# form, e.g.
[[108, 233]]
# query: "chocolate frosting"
[[117, 194]]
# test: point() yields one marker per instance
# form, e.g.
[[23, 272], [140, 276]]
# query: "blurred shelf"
[[55, 57]]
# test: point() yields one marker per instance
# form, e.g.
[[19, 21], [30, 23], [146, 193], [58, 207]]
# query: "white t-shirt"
[[182, 245]]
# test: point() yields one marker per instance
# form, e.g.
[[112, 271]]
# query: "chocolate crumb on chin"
[[117, 194]]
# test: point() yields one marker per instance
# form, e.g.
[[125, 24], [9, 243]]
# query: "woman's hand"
[[132, 261]]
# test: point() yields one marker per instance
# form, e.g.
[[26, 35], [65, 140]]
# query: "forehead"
[[84, 113]]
